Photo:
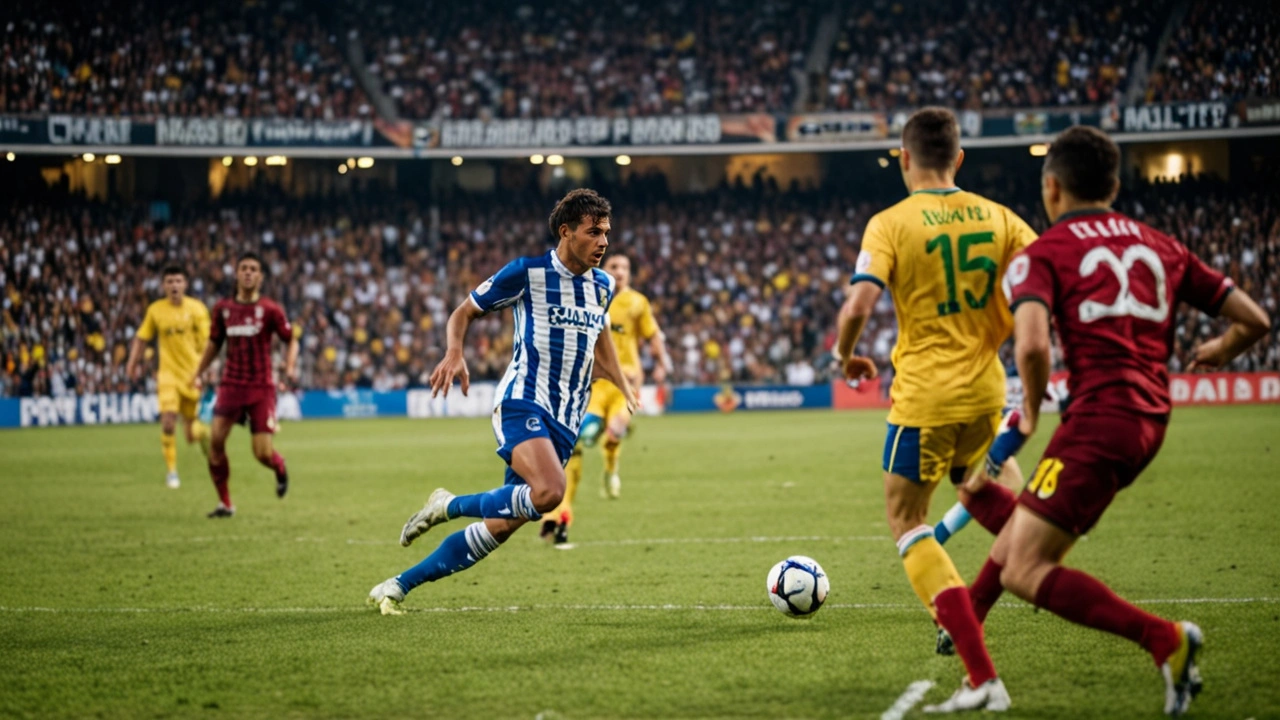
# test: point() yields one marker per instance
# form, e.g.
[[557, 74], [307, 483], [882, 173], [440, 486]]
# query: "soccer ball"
[[797, 586]]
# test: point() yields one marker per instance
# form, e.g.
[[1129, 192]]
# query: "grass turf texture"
[[147, 609]]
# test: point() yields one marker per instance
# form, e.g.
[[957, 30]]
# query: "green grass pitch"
[[119, 599]]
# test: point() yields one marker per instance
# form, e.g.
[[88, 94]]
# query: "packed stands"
[[1223, 51]]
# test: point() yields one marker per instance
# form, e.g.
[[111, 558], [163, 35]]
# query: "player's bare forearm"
[[454, 364], [1033, 356], [459, 322], [661, 360], [853, 316], [1249, 324], [136, 348], [291, 359], [210, 352]]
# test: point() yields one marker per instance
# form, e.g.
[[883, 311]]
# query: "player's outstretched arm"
[[1032, 352], [210, 352], [136, 349], [661, 359], [1249, 324], [454, 364], [853, 319], [291, 361], [608, 367]]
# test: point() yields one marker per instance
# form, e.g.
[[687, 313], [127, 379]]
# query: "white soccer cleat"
[[612, 486], [172, 481], [435, 512], [990, 695], [1181, 676], [387, 596]]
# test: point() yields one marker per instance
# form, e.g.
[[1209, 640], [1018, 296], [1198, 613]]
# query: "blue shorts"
[[926, 455], [515, 421]]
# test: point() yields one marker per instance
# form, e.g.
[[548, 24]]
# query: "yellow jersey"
[[631, 320], [182, 332], [942, 255]]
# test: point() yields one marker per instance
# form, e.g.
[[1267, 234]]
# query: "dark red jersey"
[[247, 329], [1112, 286]]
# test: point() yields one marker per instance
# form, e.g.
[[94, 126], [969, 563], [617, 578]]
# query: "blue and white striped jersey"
[[558, 317]]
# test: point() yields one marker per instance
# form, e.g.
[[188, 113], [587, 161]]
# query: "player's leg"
[[169, 447], [219, 465], [262, 423], [916, 459], [556, 524], [617, 418], [197, 431]]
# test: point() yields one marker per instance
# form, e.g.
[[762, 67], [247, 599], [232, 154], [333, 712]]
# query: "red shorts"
[[1088, 461], [241, 403]]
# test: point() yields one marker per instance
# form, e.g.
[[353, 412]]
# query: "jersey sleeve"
[[283, 329], [646, 324], [217, 328], [502, 290], [147, 331], [1031, 277], [1202, 287], [877, 258]]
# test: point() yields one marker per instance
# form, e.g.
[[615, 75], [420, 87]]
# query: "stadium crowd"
[[745, 281], [188, 59], [1222, 51]]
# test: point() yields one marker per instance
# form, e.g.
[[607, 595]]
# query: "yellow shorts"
[[607, 401], [175, 398], [926, 455]]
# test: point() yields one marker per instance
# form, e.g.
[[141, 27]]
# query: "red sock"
[[986, 589], [1075, 596], [220, 474], [955, 614], [991, 506], [277, 464]]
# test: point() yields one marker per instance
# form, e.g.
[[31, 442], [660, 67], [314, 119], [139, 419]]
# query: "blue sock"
[[508, 501], [954, 521], [458, 552]]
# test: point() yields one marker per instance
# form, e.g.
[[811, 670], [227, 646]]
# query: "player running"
[[180, 326], [630, 321], [1110, 285], [246, 391], [941, 252], [560, 302]]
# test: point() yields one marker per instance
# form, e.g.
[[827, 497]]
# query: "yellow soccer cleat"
[[1181, 676]]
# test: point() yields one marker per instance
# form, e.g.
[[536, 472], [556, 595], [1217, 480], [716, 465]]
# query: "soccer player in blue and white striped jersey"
[[560, 301]]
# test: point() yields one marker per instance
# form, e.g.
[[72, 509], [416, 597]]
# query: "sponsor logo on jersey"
[[243, 330], [533, 424], [576, 318]]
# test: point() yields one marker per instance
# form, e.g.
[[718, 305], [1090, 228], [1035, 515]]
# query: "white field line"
[[354, 608], [626, 542], [907, 700]]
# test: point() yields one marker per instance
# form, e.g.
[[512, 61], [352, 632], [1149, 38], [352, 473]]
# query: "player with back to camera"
[[941, 252], [1110, 286], [246, 322], [180, 327], [560, 301], [630, 321]]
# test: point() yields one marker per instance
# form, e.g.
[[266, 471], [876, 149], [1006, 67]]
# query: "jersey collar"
[[560, 267], [937, 191], [1082, 212]]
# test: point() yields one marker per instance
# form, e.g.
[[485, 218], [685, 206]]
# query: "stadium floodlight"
[[112, 159], [364, 163], [555, 159], [456, 160], [277, 160], [10, 157], [251, 161], [351, 163], [342, 169], [88, 157], [894, 152], [1039, 150], [623, 160], [536, 159], [227, 160], [883, 162]]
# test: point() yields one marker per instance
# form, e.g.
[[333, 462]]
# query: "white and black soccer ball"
[[798, 586]]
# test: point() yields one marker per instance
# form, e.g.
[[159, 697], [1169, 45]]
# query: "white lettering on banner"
[[1191, 116], [68, 130], [1269, 388], [477, 403], [202, 131], [302, 132], [1179, 390], [91, 409], [666, 130], [1242, 391], [753, 399]]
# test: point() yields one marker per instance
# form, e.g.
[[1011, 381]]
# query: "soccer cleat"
[[612, 486], [1181, 676], [387, 596], [172, 481], [945, 645], [990, 695], [548, 531], [435, 512], [282, 484], [562, 534], [222, 511]]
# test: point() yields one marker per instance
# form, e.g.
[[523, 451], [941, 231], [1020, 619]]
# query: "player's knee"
[[612, 441], [1019, 577], [547, 498], [168, 424], [263, 455]]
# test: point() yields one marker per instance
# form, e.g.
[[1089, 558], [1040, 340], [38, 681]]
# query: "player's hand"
[[1209, 355], [659, 374], [290, 380], [196, 382], [454, 366], [131, 371], [633, 399], [1012, 435], [856, 369]]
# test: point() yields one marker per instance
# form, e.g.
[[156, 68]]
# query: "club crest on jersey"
[[257, 312], [602, 294], [533, 424], [576, 318]]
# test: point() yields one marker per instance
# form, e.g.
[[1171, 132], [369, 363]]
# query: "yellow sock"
[[928, 566], [201, 434], [572, 476], [612, 448], [169, 445]]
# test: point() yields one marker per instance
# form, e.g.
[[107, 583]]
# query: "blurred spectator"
[[1222, 51]]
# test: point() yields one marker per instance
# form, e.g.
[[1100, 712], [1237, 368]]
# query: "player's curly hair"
[[1086, 162], [932, 136], [577, 206]]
